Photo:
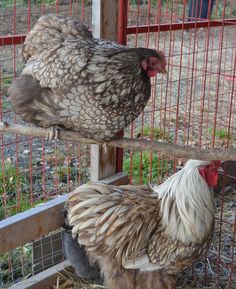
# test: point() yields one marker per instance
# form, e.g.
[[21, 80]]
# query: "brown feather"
[[118, 278]]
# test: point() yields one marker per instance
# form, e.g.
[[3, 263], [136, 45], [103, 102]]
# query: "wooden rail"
[[32, 224], [39, 221]]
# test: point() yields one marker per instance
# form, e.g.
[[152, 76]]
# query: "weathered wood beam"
[[117, 179], [104, 25], [169, 150], [173, 150], [41, 132], [31, 224]]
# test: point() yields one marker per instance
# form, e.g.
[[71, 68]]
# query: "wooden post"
[[105, 19], [105, 25]]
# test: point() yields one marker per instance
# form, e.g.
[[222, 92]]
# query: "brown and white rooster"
[[143, 236], [73, 81]]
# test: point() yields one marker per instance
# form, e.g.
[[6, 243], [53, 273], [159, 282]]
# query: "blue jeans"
[[200, 9]]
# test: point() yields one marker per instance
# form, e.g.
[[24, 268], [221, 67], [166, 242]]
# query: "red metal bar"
[[122, 38], [122, 21], [123, 30], [13, 39], [179, 26]]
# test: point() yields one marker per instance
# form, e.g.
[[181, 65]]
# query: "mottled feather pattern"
[[94, 86], [52, 30], [169, 253]]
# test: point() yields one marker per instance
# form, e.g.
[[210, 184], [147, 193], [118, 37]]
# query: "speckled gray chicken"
[[73, 81]]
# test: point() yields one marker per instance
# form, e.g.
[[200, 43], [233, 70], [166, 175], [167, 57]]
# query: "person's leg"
[[206, 9], [200, 9], [193, 9]]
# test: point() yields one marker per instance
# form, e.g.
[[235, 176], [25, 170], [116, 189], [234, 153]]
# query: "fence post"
[[105, 25]]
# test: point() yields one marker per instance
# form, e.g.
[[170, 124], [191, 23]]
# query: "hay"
[[69, 280], [213, 272]]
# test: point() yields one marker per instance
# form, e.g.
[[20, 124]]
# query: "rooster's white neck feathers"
[[187, 204]]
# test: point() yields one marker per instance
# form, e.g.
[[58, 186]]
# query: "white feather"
[[187, 203], [141, 263], [103, 229], [28, 70]]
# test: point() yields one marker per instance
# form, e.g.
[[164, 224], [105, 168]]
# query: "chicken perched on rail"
[[73, 81], [143, 236]]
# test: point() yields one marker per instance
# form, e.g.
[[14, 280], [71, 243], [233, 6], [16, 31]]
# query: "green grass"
[[156, 133], [6, 105], [15, 265], [159, 167], [12, 182], [220, 133], [220, 11], [15, 205], [6, 80], [10, 179]]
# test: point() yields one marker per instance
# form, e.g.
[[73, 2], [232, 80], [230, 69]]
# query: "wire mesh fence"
[[33, 170], [193, 105]]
